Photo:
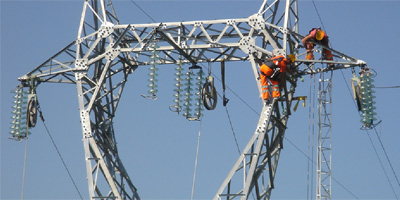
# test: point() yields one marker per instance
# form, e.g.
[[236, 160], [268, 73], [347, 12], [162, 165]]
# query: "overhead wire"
[[58, 152], [143, 11], [387, 157], [250, 107], [24, 169], [296, 147], [197, 155], [233, 131], [323, 26], [380, 162], [373, 146], [227, 112], [388, 87], [199, 134], [350, 93], [312, 160], [233, 92]]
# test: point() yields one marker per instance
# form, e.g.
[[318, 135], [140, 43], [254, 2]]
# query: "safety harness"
[[276, 74]]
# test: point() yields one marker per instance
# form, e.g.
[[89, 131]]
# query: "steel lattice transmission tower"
[[106, 52], [324, 149]]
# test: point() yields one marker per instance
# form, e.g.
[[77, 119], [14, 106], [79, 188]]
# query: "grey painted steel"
[[105, 53], [324, 156]]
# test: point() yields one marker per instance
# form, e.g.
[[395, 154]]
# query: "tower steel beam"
[[324, 156], [106, 52]]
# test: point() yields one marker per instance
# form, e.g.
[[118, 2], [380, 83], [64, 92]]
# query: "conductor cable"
[[58, 152], [197, 155]]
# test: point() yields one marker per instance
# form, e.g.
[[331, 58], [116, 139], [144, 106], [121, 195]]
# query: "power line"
[[233, 132], [143, 11], [374, 146], [226, 108], [319, 16], [388, 87], [380, 162], [387, 157], [197, 156], [23, 173], [309, 159], [58, 152]]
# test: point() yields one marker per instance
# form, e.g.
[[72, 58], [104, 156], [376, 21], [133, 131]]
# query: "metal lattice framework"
[[324, 156], [105, 53]]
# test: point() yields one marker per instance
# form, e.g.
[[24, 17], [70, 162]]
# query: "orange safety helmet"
[[291, 57], [320, 35]]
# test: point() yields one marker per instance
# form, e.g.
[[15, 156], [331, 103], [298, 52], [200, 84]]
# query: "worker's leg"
[[265, 95], [310, 56], [327, 54], [309, 49], [275, 89]]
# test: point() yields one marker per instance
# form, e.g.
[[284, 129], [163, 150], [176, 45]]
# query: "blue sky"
[[158, 148]]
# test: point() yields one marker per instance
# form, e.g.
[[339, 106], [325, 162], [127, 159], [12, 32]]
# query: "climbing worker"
[[272, 71], [317, 35]]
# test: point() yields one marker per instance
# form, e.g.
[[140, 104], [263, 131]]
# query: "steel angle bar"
[[341, 65]]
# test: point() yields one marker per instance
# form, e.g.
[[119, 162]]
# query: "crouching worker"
[[272, 72], [317, 36]]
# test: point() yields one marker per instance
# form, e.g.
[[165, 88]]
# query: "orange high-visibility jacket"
[[266, 71]]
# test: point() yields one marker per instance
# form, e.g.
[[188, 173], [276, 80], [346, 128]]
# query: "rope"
[[197, 155], [23, 173], [58, 152]]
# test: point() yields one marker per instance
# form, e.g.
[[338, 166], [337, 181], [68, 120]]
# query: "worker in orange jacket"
[[318, 36], [273, 70]]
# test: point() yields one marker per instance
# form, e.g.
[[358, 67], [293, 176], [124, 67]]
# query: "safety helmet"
[[320, 35], [291, 57]]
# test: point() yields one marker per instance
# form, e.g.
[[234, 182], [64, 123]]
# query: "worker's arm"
[[256, 59], [306, 39]]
